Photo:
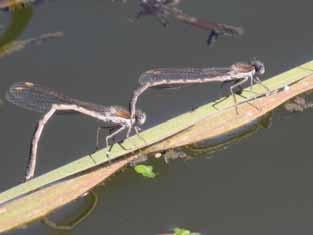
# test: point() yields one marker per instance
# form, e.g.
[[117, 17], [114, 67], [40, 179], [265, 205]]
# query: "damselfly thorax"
[[241, 70]]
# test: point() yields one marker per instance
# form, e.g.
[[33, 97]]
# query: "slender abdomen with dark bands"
[[166, 75]]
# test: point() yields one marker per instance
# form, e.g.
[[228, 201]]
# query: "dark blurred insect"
[[180, 77], [162, 9], [41, 99], [9, 5]]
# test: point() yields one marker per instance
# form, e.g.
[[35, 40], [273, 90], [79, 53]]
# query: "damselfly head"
[[140, 117], [150, 6], [147, 2], [259, 67]]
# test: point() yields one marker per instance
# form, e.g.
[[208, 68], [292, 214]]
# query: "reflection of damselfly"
[[45, 100], [180, 77], [164, 8]]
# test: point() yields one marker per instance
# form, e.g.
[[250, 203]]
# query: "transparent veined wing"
[[38, 98]]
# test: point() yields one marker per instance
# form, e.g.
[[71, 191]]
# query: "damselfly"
[[164, 8], [41, 99], [180, 77]]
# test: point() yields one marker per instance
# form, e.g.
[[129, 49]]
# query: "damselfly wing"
[[35, 97]]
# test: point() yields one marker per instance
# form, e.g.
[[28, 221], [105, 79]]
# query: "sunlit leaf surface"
[[182, 231], [146, 171]]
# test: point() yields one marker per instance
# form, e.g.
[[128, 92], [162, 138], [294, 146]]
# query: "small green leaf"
[[182, 231], [145, 170]]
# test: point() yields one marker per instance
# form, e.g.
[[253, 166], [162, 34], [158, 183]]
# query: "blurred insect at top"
[[11, 5], [162, 9]]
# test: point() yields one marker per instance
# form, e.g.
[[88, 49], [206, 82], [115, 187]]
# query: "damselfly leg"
[[111, 130], [233, 93]]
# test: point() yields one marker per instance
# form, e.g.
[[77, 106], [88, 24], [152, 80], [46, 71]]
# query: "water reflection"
[[20, 19], [85, 212], [298, 104], [162, 9], [15, 5], [18, 23], [207, 147], [18, 45]]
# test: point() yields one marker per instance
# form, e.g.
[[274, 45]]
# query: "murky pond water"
[[262, 185]]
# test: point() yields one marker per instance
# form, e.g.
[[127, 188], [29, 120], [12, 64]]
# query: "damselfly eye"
[[259, 67], [140, 117]]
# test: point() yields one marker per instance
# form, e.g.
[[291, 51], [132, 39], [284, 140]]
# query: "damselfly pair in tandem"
[[46, 100]]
